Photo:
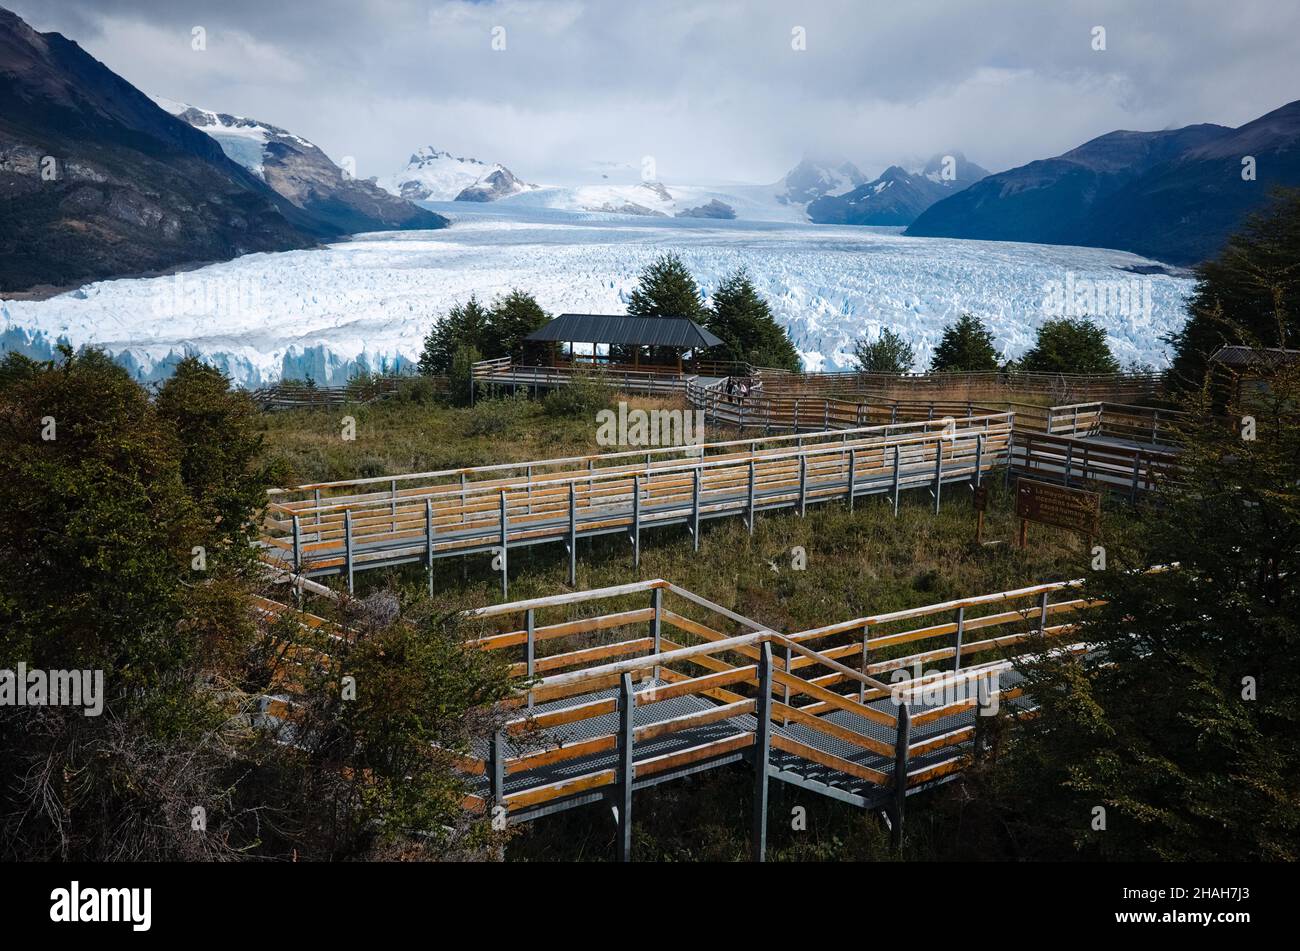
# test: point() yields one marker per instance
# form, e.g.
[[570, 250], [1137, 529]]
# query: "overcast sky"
[[714, 90]]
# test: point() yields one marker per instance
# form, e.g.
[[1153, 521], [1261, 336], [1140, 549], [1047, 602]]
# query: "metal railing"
[[675, 683], [343, 527]]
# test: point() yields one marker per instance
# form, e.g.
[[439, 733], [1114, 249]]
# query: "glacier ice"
[[368, 302]]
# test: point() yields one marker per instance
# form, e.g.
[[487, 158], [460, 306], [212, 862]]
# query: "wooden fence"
[[1059, 387], [342, 527], [775, 413], [1085, 463], [1118, 422], [953, 388], [296, 395], [502, 374]]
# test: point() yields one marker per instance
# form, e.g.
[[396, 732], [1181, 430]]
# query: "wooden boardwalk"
[[663, 683], [627, 687], [503, 374], [345, 527]]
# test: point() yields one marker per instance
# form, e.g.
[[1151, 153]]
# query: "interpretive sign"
[[1073, 509]]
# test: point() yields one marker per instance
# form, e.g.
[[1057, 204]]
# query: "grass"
[[865, 562], [396, 436]]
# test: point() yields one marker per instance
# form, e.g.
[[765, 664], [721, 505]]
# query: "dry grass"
[[396, 437]]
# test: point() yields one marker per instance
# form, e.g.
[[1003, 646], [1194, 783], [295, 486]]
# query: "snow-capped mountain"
[[647, 199], [812, 179], [663, 200], [500, 183], [898, 196], [99, 182], [952, 169], [433, 175], [303, 173], [244, 140]]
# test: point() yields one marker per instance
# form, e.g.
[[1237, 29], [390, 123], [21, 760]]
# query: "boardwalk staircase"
[[646, 683]]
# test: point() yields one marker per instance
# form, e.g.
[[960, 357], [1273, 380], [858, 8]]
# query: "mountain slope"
[[302, 173], [812, 179], [1173, 195], [432, 175], [98, 181], [898, 196], [499, 183], [953, 169], [1183, 210]]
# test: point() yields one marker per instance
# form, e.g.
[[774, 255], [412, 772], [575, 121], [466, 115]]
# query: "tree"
[[1183, 722], [106, 495], [1070, 345], [512, 318], [966, 346], [373, 776], [1249, 294], [221, 446], [465, 325], [14, 367], [742, 320], [99, 522], [96, 574], [665, 289], [461, 374], [888, 353]]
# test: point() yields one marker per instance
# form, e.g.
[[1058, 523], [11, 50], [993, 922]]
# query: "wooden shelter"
[[1241, 368], [653, 342]]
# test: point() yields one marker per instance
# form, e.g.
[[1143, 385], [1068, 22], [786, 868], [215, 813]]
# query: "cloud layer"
[[714, 90]]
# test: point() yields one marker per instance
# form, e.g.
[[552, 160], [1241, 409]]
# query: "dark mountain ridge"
[[1173, 195], [98, 181]]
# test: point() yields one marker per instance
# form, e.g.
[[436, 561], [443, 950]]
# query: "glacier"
[[366, 303]]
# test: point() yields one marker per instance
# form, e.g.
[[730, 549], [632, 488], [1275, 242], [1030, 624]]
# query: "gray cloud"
[[711, 88]]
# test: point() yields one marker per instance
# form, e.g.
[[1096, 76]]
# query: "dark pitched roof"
[[618, 328], [1239, 356]]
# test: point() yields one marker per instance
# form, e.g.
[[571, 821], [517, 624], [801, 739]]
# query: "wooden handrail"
[[836, 446], [699, 448]]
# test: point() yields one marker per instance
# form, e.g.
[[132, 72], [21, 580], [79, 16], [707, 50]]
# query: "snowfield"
[[368, 302]]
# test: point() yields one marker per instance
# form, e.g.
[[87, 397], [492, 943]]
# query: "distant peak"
[[428, 153]]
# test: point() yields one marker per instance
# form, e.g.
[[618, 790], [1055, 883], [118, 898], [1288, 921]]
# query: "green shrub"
[[372, 467], [584, 396], [495, 416], [220, 448], [965, 347], [888, 353], [421, 390]]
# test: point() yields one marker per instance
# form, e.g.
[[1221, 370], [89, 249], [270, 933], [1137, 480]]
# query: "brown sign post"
[[1073, 509], [981, 502]]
